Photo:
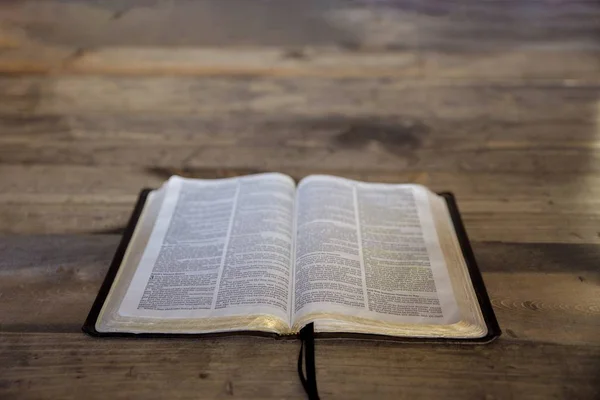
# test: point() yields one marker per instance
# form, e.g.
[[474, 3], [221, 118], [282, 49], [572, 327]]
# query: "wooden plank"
[[69, 366], [360, 370], [181, 23], [337, 39], [533, 286], [495, 206], [227, 127], [351, 24], [526, 39], [274, 62], [570, 65], [527, 312], [470, 25], [145, 100], [371, 154], [576, 65], [291, 123]]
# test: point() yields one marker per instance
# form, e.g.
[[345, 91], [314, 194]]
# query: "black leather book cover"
[[89, 326]]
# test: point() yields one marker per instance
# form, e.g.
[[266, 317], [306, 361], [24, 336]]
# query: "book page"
[[218, 248], [370, 251]]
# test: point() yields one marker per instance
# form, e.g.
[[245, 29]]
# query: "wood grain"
[[500, 101], [537, 302], [313, 38], [39, 366], [290, 123], [497, 101], [533, 295], [535, 207], [304, 62]]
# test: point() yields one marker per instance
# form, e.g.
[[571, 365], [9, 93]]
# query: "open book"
[[258, 253]]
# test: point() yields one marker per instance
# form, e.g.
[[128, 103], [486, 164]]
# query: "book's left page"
[[207, 256]]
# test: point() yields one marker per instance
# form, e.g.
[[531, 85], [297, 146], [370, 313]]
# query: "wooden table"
[[497, 101]]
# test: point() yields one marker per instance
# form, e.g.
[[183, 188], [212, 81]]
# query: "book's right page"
[[381, 259]]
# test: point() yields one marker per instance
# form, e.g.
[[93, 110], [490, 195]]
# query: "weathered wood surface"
[[334, 38], [523, 159], [550, 348], [497, 101], [71, 366], [533, 207]]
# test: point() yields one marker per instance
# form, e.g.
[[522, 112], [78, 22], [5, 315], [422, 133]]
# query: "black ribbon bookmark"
[[309, 381]]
